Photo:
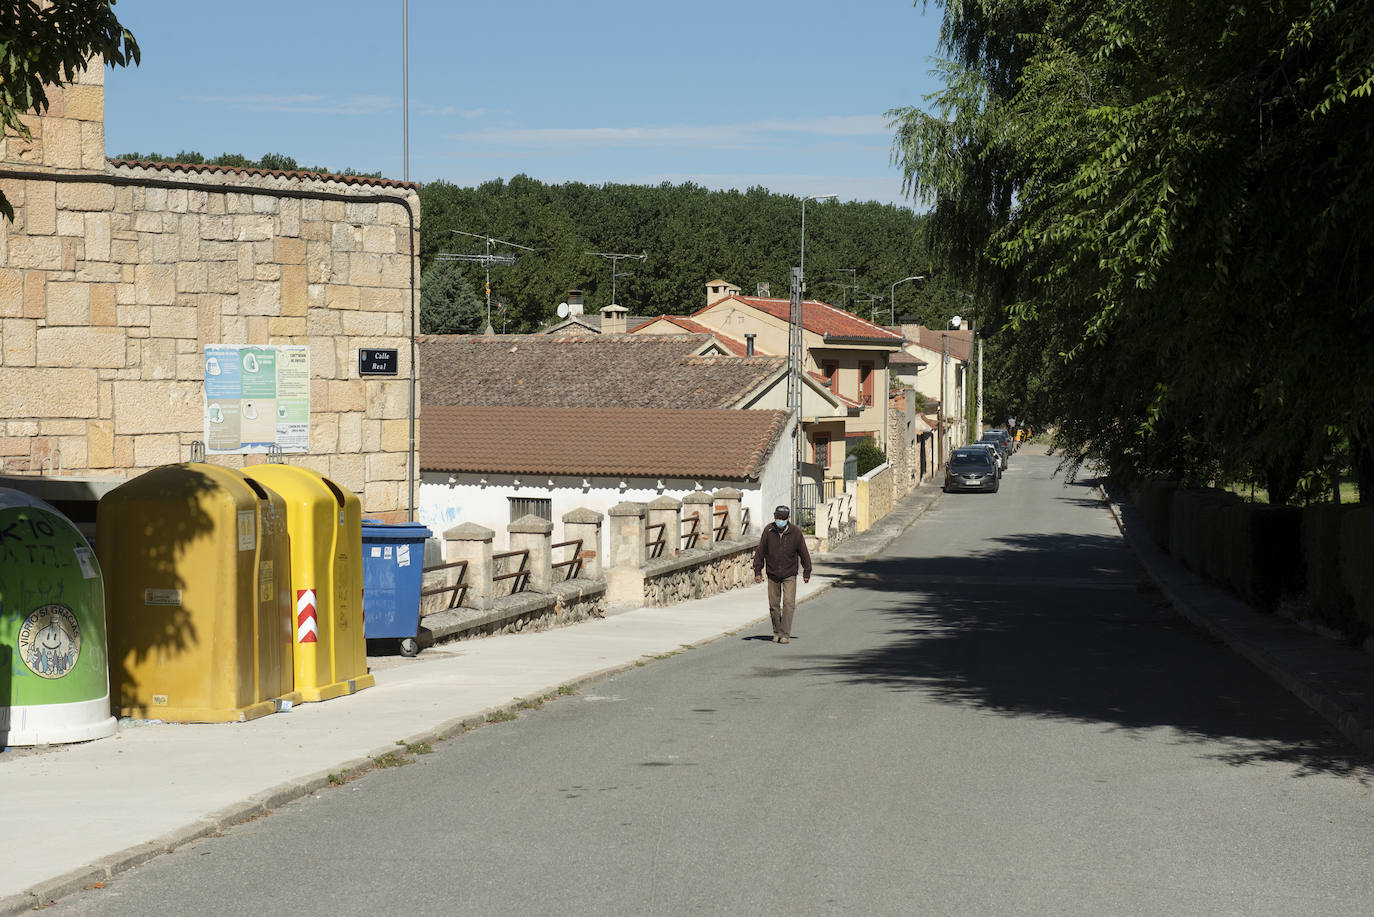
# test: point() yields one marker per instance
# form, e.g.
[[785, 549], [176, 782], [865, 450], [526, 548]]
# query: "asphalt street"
[[996, 716]]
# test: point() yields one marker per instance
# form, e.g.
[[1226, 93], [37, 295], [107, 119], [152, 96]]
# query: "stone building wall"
[[115, 277]]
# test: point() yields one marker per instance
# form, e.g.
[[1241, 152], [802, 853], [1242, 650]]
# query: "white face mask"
[[780, 523]]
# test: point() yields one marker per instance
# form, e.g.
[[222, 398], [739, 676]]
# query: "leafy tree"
[[448, 304], [44, 44], [869, 455], [1163, 203]]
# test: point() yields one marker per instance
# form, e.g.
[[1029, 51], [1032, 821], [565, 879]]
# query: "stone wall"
[[697, 574], [114, 278], [873, 496]]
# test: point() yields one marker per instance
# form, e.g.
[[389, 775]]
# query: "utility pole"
[[486, 259], [795, 360], [613, 257]]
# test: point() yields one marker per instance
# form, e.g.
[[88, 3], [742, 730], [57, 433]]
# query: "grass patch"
[[336, 780], [420, 748], [390, 759], [565, 691], [500, 716]]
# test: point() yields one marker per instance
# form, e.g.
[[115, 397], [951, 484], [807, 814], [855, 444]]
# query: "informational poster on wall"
[[257, 398]]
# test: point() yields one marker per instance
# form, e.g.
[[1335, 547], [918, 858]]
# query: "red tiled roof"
[[730, 444], [820, 318], [902, 358], [737, 347], [270, 173]]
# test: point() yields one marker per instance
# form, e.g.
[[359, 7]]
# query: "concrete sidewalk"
[[1332, 678], [89, 811]]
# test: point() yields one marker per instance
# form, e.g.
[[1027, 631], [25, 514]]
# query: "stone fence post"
[[729, 499], [698, 503], [533, 534], [667, 512], [625, 575], [585, 524], [472, 543]]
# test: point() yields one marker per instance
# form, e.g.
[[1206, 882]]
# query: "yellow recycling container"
[[325, 522], [197, 590]]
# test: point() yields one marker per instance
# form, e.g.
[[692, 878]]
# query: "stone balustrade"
[[624, 573]]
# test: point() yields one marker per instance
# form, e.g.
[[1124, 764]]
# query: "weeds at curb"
[[500, 716], [390, 759]]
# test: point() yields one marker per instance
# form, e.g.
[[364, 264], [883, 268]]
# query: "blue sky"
[[790, 95]]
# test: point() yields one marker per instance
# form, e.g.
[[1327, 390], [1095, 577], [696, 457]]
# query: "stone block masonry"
[[115, 276]]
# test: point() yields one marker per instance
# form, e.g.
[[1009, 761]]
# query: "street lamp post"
[[892, 302], [795, 357]]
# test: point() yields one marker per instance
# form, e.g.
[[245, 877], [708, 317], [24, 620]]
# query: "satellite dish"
[[956, 322], [563, 310]]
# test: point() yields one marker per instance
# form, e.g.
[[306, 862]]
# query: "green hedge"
[[1156, 505], [1321, 549], [1357, 561], [1263, 547], [1195, 531]]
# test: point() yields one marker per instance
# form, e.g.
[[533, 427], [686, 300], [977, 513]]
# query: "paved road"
[[997, 717]]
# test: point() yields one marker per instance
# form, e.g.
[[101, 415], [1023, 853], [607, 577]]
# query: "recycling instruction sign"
[[257, 398]]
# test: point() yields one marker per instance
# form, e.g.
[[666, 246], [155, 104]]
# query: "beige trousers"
[[782, 601]]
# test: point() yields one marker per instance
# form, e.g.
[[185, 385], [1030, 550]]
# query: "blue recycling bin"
[[393, 569]]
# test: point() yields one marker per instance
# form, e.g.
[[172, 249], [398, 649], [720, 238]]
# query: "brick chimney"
[[575, 303]]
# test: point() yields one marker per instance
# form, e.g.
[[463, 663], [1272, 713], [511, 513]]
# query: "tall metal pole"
[[405, 175], [796, 340], [892, 300]]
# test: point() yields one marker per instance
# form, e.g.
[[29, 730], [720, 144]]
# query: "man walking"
[[781, 547]]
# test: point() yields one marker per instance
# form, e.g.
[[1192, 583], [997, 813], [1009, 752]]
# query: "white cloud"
[[740, 136], [301, 103]]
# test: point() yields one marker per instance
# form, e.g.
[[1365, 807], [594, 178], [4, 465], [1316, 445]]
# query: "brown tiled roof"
[[270, 173], [734, 345], [585, 441], [821, 318], [960, 342], [902, 358], [592, 320], [585, 371]]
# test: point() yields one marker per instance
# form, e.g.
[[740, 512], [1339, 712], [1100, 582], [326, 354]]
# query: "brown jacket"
[[781, 551]]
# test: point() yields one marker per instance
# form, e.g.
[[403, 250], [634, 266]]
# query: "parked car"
[[1006, 435], [993, 450], [1002, 446], [971, 468]]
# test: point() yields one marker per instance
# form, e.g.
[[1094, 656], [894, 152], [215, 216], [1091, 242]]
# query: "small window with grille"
[[531, 506]]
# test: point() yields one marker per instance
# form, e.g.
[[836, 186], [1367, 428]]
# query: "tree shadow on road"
[[1066, 627]]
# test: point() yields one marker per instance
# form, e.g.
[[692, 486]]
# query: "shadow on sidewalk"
[[1067, 627]]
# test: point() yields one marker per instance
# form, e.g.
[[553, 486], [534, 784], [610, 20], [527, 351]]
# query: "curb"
[[1344, 720]]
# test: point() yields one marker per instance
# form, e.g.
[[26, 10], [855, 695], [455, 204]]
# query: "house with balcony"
[[845, 355], [944, 360]]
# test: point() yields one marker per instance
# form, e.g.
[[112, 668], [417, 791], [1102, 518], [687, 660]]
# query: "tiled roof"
[[821, 318], [902, 358], [735, 346], [586, 441], [592, 320], [585, 371], [960, 342], [270, 173]]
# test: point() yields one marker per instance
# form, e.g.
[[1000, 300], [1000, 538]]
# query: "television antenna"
[[846, 287], [486, 259], [613, 257]]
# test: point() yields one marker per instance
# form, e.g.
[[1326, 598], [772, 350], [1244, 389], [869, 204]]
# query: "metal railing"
[[458, 587], [807, 499], [722, 526], [520, 576], [692, 535], [655, 545], [574, 561]]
